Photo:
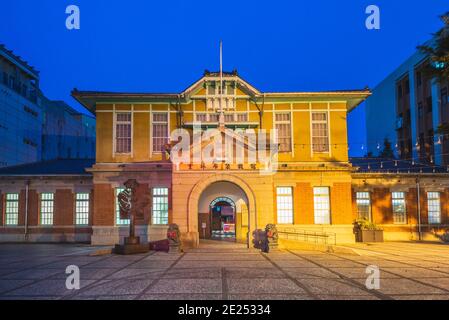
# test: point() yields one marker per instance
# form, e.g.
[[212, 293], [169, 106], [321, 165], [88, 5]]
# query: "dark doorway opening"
[[222, 213]]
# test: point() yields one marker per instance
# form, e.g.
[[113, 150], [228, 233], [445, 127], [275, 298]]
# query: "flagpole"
[[221, 117]]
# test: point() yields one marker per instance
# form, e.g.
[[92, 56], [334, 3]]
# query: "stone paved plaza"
[[226, 271]]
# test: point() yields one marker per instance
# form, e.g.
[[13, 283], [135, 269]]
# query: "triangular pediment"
[[223, 146], [210, 82]]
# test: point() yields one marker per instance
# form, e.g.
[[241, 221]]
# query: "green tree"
[[387, 152], [439, 52]]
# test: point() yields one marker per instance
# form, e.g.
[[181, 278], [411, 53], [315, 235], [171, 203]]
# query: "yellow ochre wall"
[[300, 120]]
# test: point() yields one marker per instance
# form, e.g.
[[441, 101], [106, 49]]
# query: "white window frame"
[[12, 209], [82, 208], [160, 201], [283, 122], [201, 114], [284, 205], [237, 114], [326, 122], [116, 123], [152, 129], [47, 209], [118, 221], [398, 200], [215, 115], [363, 198], [433, 207], [321, 205]]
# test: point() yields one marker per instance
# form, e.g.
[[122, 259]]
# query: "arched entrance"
[[223, 212]]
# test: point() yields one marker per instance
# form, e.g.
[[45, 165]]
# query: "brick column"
[[341, 203], [303, 202], [354, 204], [411, 204], [33, 208], [2, 208], [22, 204], [145, 220], [445, 206], [104, 205], [64, 208], [381, 206]]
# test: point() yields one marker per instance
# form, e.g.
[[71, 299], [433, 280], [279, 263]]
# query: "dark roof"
[[50, 167], [379, 165]]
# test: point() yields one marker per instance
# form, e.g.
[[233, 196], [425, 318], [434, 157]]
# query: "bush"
[[364, 224]]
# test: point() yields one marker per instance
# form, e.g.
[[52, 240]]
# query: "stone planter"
[[370, 236]]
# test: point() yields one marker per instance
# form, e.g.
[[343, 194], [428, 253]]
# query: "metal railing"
[[316, 237]]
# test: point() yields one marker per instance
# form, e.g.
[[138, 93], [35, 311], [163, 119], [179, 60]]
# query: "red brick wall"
[[91, 207], [22, 205], [341, 204], [354, 204], [64, 208], [381, 206], [412, 205], [104, 205], [33, 208], [303, 204], [145, 220], [445, 206], [2, 208]]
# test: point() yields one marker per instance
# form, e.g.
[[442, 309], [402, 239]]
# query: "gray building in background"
[[21, 111], [32, 127], [66, 133], [407, 108]]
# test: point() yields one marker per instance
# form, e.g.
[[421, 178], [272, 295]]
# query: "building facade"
[[21, 111], [314, 188], [67, 133], [407, 108], [32, 127]]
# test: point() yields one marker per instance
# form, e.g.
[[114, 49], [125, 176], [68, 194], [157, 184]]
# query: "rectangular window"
[[160, 205], [321, 204], [123, 133], [12, 209], [363, 205], [320, 136], [211, 89], [418, 78], [82, 206], [214, 117], [229, 117], [160, 131], [399, 212], [283, 127], [201, 117], [47, 208], [284, 201], [242, 117], [434, 207], [119, 221]]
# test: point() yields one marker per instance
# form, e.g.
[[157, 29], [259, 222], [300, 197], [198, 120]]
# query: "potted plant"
[[366, 231]]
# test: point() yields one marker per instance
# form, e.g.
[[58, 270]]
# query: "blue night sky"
[[164, 46]]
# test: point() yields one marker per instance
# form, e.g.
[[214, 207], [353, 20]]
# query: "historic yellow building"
[[222, 163], [310, 190]]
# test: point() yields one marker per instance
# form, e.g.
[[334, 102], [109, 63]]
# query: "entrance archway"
[[222, 186]]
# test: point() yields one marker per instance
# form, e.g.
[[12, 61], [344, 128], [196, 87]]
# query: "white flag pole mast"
[[221, 119]]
